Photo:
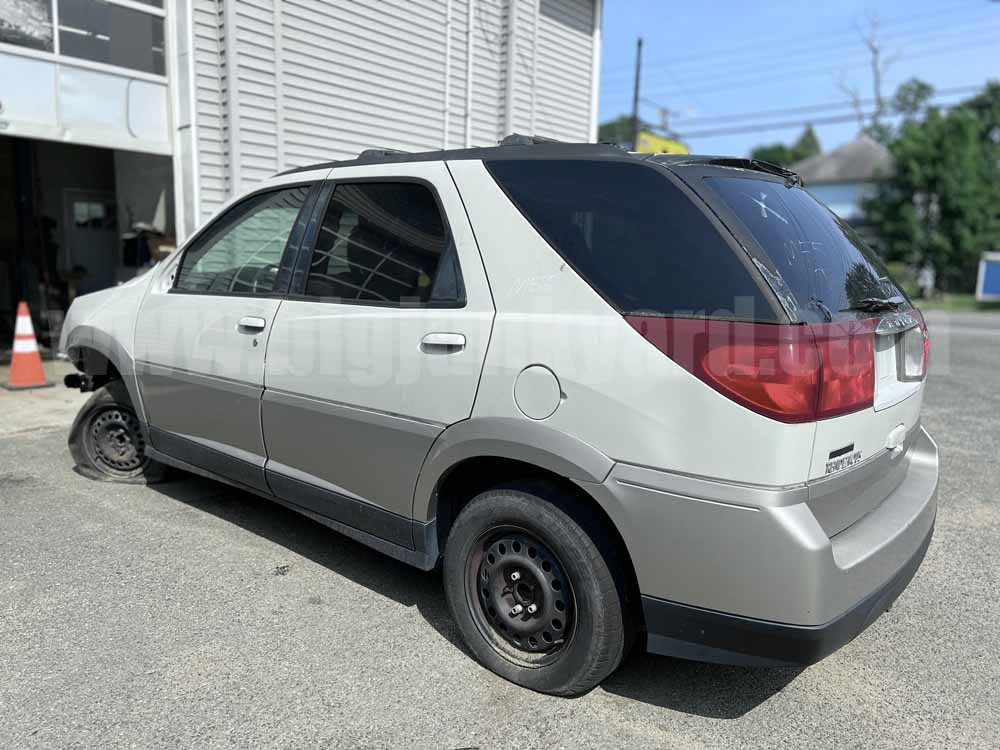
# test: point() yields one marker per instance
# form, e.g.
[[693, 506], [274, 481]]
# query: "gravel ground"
[[192, 615]]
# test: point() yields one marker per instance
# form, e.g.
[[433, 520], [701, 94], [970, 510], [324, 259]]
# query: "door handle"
[[251, 325], [442, 343]]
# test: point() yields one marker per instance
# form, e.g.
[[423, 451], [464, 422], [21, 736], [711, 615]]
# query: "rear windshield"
[[816, 264], [634, 236]]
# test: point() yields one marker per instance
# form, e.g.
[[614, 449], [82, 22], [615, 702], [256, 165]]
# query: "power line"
[[826, 70], [786, 124], [781, 42], [848, 60], [853, 54], [806, 109]]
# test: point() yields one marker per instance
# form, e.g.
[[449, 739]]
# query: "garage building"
[[125, 124]]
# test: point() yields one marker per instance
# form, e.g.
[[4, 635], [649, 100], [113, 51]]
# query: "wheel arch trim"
[[85, 336], [510, 438]]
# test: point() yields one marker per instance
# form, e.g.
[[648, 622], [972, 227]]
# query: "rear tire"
[[520, 546], [107, 441]]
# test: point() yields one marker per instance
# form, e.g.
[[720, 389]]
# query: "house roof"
[[862, 160]]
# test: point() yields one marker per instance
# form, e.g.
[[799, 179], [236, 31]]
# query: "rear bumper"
[[748, 575], [703, 635]]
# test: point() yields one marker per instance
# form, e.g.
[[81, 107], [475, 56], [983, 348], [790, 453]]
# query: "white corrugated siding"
[[257, 104], [209, 116], [323, 80], [565, 54], [361, 74]]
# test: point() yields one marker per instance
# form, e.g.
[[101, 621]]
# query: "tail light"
[[915, 349], [847, 351], [797, 373]]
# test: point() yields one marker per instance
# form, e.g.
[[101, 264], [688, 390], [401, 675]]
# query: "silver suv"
[[617, 397]]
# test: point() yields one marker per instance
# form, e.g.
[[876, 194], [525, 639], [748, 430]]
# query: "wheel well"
[[473, 476], [95, 364]]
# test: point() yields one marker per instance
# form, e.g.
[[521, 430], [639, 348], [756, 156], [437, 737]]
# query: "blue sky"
[[713, 59]]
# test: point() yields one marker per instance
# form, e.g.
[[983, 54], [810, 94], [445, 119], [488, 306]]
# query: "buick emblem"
[[896, 323]]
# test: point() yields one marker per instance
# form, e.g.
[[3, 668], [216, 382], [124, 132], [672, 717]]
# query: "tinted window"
[[816, 263], [634, 236], [27, 23], [242, 253], [384, 242], [112, 34]]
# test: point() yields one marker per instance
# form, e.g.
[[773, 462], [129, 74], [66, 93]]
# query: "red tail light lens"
[[847, 351], [790, 373]]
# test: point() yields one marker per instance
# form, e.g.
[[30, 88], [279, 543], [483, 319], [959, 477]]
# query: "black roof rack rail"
[[374, 153], [514, 146], [517, 139]]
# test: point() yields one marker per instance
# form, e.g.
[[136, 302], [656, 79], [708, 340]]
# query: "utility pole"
[[635, 95]]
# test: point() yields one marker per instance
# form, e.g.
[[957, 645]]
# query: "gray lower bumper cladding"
[[703, 635]]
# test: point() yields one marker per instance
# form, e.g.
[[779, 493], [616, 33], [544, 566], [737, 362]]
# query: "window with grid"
[[384, 243]]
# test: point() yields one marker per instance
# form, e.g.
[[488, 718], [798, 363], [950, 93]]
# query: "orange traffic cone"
[[25, 363]]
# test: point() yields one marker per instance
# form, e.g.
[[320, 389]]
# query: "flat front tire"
[[107, 441], [534, 598]]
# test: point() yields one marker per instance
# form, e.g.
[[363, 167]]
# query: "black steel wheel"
[[520, 596], [107, 440], [536, 589], [114, 440]]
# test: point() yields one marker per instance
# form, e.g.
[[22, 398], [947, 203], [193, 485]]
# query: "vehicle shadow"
[[707, 690], [319, 544], [713, 691]]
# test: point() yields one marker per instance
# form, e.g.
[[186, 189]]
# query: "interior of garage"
[[75, 219]]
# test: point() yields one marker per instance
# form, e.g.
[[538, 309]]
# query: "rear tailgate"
[[860, 458], [827, 278]]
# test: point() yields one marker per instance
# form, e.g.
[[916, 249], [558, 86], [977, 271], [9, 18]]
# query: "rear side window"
[[384, 243], [816, 263], [241, 253], [634, 236]]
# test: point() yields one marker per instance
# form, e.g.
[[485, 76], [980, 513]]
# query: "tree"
[[784, 155], [941, 205], [619, 130], [871, 123], [807, 145], [911, 97]]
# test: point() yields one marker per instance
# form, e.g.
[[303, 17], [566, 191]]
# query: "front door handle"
[[251, 325], [442, 343]]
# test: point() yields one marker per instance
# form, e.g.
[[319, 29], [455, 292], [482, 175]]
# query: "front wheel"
[[107, 441], [533, 596]]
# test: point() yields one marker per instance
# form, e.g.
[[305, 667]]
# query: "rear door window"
[[385, 243], [634, 236], [816, 263]]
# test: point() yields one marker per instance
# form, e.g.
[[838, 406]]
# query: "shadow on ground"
[[707, 690]]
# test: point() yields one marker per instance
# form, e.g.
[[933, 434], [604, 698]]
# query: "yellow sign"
[[655, 144]]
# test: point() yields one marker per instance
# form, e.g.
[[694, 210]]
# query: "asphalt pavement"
[[192, 615]]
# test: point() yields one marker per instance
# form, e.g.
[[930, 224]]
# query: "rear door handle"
[[442, 343], [250, 324]]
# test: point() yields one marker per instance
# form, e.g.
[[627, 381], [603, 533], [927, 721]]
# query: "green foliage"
[[779, 153], [906, 276], [911, 97], [942, 203], [619, 130]]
